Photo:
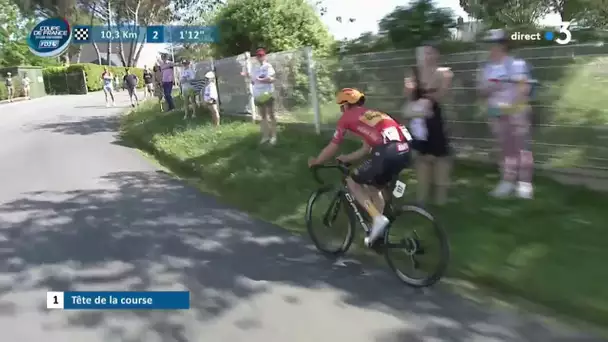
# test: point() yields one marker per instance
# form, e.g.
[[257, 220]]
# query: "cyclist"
[[384, 138]]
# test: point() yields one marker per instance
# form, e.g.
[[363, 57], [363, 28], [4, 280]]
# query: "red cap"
[[260, 52]]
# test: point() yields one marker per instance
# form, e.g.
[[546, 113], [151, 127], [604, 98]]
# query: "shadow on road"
[[150, 232], [84, 126]]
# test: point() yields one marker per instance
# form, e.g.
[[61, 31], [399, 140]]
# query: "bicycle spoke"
[[411, 250]]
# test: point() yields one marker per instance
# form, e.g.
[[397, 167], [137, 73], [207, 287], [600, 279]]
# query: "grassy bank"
[[551, 250]]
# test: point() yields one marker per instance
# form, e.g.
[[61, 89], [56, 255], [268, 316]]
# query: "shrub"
[[74, 78]]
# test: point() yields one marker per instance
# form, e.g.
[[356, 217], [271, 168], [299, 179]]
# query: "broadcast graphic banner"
[[121, 300]]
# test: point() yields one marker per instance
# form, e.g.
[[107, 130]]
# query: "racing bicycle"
[[397, 244]]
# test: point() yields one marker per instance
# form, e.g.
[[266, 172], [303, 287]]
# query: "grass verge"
[[550, 250]]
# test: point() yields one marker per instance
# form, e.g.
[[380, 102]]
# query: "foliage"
[[61, 80], [407, 27], [516, 13], [14, 29], [197, 51], [276, 25]]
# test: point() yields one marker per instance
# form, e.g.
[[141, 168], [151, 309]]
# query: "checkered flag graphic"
[[81, 35]]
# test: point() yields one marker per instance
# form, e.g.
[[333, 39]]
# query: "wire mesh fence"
[[570, 108]]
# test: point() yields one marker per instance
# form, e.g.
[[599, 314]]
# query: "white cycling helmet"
[[210, 75]]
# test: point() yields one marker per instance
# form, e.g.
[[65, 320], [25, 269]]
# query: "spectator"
[[263, 89], [198, 84], [186, 78], [168, 78], [116, 81], [427, 86], [148, 83], [505, 84], [107, 78], [210, 97], [158, 85], [130, 81], [9, 86], [25, 83]]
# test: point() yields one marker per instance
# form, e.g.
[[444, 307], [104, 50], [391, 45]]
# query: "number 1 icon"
[[54, 300]]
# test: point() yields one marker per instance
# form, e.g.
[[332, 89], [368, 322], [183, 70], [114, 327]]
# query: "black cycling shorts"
[[386, 162]]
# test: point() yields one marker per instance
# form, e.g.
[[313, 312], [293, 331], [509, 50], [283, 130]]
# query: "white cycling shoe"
[[378, 227]]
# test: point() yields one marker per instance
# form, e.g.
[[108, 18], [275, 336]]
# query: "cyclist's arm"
[[358, 154], [334, 145]]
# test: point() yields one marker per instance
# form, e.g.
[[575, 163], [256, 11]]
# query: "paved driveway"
[[80, 212]]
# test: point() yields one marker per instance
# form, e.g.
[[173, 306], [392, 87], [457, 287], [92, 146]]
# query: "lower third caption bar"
[[121, 300]]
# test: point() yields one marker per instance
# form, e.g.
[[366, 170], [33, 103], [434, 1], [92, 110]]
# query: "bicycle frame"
[[355, 207]]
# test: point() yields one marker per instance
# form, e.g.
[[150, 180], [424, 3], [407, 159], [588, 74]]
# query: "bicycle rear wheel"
[[329, 221], [418, 242]]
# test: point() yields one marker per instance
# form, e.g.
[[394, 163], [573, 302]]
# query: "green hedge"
[[80, 78]]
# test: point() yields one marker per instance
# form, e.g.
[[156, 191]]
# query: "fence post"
[[312, 85], [250, 86]]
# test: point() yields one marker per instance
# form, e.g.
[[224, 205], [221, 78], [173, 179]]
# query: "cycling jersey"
[[374, 127]]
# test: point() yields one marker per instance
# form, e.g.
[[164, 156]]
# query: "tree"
[[408, 27], [510, 13], [49, 8], [204, 15], [366, 42], [276, 25], [14, 30]]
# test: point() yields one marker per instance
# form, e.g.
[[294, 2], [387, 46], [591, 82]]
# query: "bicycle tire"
[[348, 239], [440, 235]]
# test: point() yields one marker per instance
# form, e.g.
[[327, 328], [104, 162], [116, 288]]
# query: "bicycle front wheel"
[[416, 247], [329, 222]]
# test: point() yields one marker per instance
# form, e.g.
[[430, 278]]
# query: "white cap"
[[496, 35], [210, 74]]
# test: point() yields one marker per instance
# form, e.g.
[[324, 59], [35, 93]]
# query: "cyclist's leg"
[[367, 175], [362, 178]]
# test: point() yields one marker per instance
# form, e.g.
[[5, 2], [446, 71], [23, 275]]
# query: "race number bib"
[[391, 134], [406, 133]]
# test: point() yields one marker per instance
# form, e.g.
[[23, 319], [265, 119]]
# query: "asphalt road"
[[81, 212]]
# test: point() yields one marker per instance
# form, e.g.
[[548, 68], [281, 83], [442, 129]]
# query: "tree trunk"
[[109, 23], [97, 52], [78, 54], [138, 53]]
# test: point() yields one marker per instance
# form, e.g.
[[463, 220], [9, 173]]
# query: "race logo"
[[50, 38]]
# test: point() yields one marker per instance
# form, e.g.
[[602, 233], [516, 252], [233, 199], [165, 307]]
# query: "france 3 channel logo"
[[563, 36]]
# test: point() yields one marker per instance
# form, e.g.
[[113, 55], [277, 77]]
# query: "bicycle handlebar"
[[343, 167]]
